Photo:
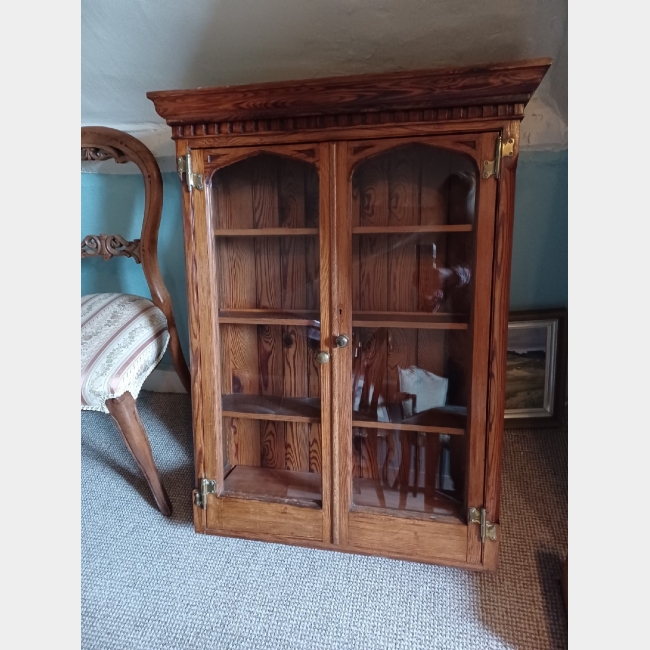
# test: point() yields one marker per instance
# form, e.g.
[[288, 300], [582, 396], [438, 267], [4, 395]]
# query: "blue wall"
[[540, 248], [112, 203]]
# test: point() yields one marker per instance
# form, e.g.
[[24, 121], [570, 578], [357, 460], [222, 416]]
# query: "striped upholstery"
[[123, 337]]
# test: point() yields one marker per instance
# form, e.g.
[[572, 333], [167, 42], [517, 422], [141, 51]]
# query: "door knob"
[[323, 357], [341, 340]]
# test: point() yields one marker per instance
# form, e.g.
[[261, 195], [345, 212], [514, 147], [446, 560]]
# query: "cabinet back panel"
[[294, 446], [385, 352]]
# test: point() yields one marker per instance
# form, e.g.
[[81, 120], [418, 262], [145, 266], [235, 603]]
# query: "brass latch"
[[206, 487], [488, 529], [501, 149], [184, 166]]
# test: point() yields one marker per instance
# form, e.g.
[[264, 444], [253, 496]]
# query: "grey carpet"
[[153, 583]]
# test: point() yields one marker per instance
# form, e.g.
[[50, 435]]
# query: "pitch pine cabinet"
[[347, 245]]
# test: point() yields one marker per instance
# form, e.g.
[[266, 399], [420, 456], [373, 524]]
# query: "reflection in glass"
[[265, 224], [413, 213]]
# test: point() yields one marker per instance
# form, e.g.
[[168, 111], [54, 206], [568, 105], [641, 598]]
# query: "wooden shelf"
[[395, 230], [269, 317], [382, 499], [278, 486], [269, 407], [449, 420], [410, 320], [265, 232]]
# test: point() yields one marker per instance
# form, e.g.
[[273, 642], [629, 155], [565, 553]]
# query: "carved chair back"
[[103, 143]]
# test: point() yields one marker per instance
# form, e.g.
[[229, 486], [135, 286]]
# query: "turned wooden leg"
[[123, 410]]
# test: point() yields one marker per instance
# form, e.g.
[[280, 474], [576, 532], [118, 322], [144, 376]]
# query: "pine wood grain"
[[499, 333], [248, 516], [209, 341], [505, 83], [295, 355], [417, 539], [192, 288], [455, 351], [480, 330], [279, 486], [276, 408]]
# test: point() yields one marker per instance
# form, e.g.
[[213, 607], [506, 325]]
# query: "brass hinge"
[[206, 487], [501, 150], [488, 529], [184, 166]]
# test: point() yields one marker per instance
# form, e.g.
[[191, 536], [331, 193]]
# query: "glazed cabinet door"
[[261, 228], [414, 236]]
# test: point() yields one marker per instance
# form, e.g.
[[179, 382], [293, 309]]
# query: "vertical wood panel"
[[237, 260], [355, 209], [326, 209], [434, 194], [234, 209], [499, 334], [268, 281], [373, 287], [244, 441], [291, 197], [480, 331], [341, 394], [460, 247], [297, 446], [295, 356], [373, 254], [202, 434], [315, 459], [431, 357], [404, 197], [240, 374], [434, 190], [314, 390], [272, 444], [271, 371], [404, 188], [312, 244], [206, 270]]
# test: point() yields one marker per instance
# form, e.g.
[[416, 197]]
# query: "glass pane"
[[413, 213], [414, 185], [408, 471], [273, 460], [265, 219], [276, 274], [265, 191], [412, 273], [410, 378]]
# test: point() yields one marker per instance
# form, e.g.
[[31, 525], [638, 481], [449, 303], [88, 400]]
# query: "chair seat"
[[123, 338]]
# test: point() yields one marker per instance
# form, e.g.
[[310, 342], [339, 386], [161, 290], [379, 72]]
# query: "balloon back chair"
[[123, 336]]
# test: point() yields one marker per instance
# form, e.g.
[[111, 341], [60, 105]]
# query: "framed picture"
[[536, 368]]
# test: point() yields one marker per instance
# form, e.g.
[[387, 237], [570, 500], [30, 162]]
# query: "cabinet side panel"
[[499, 329]]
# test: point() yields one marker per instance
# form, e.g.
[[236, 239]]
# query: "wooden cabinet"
[[347, 243]]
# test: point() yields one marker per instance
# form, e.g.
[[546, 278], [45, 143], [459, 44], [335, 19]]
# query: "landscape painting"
[[532, 348]]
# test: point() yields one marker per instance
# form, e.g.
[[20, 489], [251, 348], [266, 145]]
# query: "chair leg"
[[125, 413]]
